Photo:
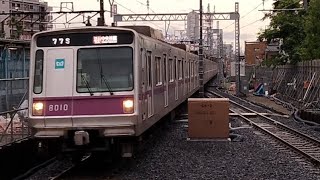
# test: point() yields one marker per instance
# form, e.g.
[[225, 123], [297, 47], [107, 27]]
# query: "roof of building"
[[14, 41]]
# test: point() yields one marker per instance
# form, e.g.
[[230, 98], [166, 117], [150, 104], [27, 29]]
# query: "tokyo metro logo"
[[59, 64]]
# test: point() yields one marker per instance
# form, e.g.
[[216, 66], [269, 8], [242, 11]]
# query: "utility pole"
[[237, 49], [201, 89], [101, 21]]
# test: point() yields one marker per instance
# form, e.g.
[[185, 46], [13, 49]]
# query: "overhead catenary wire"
[[135, 13], [251, 23], [146, 6], [245, 14], [262, 18]]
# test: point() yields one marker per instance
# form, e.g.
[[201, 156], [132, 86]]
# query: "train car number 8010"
[[57, 107]]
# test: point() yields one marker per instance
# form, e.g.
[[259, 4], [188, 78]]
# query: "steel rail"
[[272, 120], [31, 171], [73, 166], [285, 128]]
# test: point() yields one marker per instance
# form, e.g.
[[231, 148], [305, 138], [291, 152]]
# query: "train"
[[96, 87]]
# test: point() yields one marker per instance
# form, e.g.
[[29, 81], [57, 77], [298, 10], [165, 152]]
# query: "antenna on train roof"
[[101, 20], [88, 21]]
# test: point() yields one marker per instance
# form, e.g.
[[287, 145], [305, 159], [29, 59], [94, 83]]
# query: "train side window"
[[180, 69], [175, 68], [197, 69], [149, 68], [164, 68], [143, 58], [185, 69], [38, 72], [191, 68], [171, 70], [194, 70], [158, 70]]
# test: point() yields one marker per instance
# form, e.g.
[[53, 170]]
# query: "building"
[[272, 50], [255, 52], [193, 26], [21, 26], [14, 63], [228, 51]]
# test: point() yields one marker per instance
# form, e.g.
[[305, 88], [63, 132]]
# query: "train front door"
[[59, 67]]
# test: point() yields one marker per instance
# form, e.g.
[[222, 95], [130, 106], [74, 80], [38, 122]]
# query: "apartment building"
[[22, 26]]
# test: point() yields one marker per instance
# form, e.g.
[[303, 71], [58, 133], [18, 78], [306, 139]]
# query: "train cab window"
[[38, 72], [105, 69], [158, 71]]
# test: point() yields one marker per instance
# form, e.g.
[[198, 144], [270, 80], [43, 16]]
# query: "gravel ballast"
[[173, 157], [170, 156]]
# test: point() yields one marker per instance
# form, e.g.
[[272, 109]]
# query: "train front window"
[[105, 69]]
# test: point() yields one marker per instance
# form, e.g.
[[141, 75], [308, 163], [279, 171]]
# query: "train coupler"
[[81, 138], [126, 150]]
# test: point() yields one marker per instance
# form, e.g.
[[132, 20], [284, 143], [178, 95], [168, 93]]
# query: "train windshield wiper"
[[87, 83], [103, 78]]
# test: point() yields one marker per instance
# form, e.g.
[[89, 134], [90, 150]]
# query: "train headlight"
[[37, 109], [127, 106]]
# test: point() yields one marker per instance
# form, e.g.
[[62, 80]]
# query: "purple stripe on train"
[[67, 106]]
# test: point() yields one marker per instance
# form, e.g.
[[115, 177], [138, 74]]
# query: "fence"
[[14, 72], [300, 84], [12, 91], [13, 124]]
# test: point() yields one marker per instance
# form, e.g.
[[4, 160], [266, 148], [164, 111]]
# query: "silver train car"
[[93, 86]]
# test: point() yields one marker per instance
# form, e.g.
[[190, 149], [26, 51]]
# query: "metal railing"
[[14, 125], [12, 91], [15, 129]]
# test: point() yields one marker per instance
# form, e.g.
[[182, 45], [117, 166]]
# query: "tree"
[[2, 32], [12, 22], [286, 28], [311, 46]]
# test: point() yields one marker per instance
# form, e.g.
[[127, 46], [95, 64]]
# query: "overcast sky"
[[249, 11]]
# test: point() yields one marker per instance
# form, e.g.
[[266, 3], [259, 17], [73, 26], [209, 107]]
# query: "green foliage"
[[311, 45], [286, 28], [12, 22]]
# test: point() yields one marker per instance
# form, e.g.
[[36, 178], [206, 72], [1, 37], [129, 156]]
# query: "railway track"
[[51, 169], [303, 144], [68, 169]]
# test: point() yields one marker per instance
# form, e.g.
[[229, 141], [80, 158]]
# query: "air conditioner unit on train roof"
[[147, 31]]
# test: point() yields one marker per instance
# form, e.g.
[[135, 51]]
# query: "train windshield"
[[105, 69]]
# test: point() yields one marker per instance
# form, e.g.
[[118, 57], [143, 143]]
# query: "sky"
[[250, 13]]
